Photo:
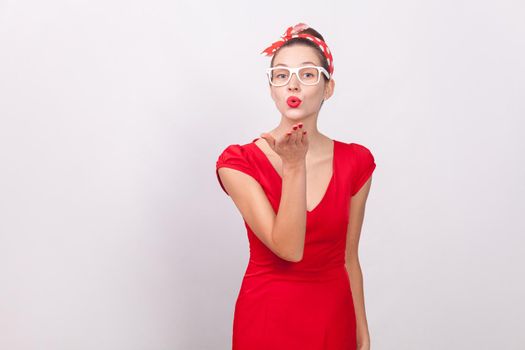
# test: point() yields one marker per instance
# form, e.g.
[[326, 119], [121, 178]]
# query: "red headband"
[[294, 32]]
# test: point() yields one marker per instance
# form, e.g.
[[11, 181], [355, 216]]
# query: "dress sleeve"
[[365, 165], [234, 157]]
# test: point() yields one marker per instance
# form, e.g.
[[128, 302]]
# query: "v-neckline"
[[330, 183]]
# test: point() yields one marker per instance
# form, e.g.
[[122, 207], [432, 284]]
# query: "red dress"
[[304, 305]]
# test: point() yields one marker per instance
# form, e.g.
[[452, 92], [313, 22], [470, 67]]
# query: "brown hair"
[[307, 42]]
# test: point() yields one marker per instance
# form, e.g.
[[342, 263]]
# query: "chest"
[[321, 175]]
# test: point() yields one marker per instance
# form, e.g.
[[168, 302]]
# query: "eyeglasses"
[[307, 75]]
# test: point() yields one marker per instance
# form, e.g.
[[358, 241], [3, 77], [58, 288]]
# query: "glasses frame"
[[296, 71]]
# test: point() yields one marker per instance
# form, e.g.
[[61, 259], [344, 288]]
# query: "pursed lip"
[[293, 101]]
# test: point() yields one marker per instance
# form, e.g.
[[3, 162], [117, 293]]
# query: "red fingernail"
[[300, 125], [288, 133], [304, 132], [295, 127]]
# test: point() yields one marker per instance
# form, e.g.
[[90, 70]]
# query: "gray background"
[[115, 234]]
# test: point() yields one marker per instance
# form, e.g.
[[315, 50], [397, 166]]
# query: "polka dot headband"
[[294, 32]]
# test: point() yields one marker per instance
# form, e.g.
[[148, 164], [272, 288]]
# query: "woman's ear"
[[329, 89]]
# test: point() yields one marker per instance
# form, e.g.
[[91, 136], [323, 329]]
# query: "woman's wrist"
[[294, 166]]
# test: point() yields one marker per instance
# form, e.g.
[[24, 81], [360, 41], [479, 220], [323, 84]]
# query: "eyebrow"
[[282, 64]]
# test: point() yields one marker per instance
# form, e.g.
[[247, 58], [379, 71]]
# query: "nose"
[[293, 84]]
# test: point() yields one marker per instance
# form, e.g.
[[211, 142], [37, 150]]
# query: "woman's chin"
[[294, 113]]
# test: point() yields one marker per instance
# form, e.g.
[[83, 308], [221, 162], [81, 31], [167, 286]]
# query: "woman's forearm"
[[289, 230], [356, 282]]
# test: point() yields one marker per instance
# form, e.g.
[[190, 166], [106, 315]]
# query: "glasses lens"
[[309, 75], [279, 76]]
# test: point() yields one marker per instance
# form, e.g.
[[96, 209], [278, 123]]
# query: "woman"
[[302, 196]]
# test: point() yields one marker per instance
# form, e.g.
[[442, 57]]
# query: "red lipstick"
[[293, 101]]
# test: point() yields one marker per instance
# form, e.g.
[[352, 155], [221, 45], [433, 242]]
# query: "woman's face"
[[310, 95]]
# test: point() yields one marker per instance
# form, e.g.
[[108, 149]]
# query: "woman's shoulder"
[[360, 162], [355, 148], [357, 154], [236, 156], [237, 152]]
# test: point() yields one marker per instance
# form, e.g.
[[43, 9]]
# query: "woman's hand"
[[292, 146]]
